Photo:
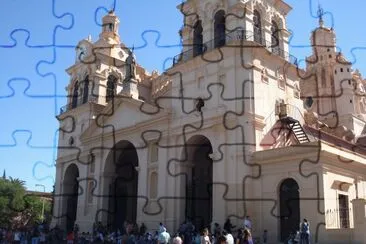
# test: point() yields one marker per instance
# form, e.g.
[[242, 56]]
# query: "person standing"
[[205, 239], [228, 226], [142, 229], [305, 232], [240, 236], [164, 236], [228, 236], [221, 240], [70, 237], [248, 223], [265, 236], [17, 237], [248, 237], [177, 239]]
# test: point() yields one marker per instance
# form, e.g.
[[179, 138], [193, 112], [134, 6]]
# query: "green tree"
[[18, 209], [32, 213], [11, 201]]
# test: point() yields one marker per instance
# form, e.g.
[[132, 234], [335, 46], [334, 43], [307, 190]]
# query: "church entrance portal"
[[122, 202], [289, 207], [70, 194], [199, 182]]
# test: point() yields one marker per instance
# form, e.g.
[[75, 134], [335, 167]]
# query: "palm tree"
[[17, 181]]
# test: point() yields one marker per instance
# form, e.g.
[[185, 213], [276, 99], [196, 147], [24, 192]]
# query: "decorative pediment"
[[124, 113]]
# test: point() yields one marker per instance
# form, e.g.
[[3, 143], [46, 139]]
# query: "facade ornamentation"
[[257, 139]]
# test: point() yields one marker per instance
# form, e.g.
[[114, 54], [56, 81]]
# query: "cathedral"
[[233, 128]]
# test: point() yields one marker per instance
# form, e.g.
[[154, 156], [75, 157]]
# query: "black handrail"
[[236, 35]]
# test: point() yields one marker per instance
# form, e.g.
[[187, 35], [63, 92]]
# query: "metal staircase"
[[295, 126]]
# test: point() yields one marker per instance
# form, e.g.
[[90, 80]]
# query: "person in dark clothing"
[[221, 240], [228, 226], [240, 237], [142, 229]]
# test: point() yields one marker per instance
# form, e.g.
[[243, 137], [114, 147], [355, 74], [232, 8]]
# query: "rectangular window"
[[154, 152], [343, 211]]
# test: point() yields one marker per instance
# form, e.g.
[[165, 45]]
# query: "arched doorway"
[[70, 195], [289, 207], [122, 184], [199, 182]]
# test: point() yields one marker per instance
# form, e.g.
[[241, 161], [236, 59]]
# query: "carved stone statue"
[[130, 66]]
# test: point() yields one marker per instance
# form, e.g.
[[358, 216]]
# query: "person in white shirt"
[[177, 240], [17, 237], [229, 237], [164, 236], [205, 239]]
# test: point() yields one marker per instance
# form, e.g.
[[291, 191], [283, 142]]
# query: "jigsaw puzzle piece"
[[40, 151], [27, 58], [86, 16], [28, 22]]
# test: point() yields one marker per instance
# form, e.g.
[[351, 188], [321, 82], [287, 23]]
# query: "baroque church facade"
[[233, 128]]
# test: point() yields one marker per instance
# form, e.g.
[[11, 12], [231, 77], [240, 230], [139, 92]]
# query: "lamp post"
[[44, 190]]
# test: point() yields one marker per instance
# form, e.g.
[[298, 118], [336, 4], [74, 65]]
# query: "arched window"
[[111, 87], [219, 28], [257, 27], [153, 185], [197, 39], [275, 38], [75, 95], [86, 89]]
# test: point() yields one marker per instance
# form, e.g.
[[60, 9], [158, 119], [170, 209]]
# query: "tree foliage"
[[18, 209]]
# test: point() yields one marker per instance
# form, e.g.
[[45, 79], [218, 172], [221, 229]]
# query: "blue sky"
[[37, 41]]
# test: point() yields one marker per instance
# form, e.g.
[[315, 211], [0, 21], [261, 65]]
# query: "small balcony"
[[236, 37], [79, 103]]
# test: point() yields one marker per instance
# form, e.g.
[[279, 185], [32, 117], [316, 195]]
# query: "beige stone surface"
[[323, 168]]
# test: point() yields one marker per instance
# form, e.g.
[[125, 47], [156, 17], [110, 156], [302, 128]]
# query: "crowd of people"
[[131, 233]]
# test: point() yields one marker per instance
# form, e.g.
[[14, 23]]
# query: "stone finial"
[[320, 15]]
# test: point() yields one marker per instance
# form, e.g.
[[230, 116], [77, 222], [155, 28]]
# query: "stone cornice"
[[298, 152], [328, 154], [142, 126]]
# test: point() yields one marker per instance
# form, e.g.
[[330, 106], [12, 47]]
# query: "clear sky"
[[37, 41]]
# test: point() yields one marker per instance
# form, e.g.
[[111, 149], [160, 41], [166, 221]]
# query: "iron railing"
[[338, 218], [71, 105], [228, 39]]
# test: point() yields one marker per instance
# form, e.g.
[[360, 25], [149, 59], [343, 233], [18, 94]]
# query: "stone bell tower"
[[328, 88], [110, 27]]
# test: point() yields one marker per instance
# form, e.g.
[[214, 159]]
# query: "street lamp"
[[44, 190]]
